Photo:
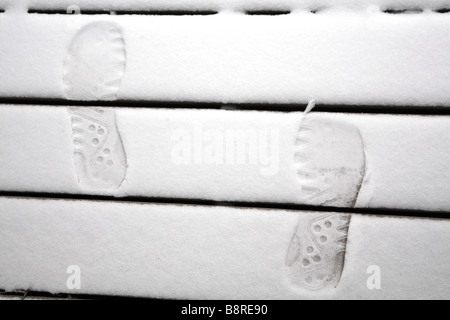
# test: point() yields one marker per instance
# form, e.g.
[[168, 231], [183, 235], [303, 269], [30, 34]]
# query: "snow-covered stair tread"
[[226, 4], [175, 251], [338, 57], [326, 159]]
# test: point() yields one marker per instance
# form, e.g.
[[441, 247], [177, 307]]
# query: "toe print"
[[95, 63], [330, 161], [99, 155]]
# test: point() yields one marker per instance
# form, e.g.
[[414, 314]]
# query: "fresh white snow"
[[174, 251], [343, 52], [184, 153], [338, 57], [227, 4]]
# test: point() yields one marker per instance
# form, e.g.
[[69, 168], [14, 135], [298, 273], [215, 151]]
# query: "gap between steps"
[[184, 12], [275, 107], [385, 212], [40, 295]]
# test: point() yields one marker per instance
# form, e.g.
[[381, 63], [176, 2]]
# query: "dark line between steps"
[[267, 12], [26, 295], [275, 107], [127, 12], [59, 11], [168, 12], [414, 11], [175, 12], [403, 11], [232, 204]]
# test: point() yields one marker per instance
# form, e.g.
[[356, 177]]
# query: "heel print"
[[316, 255]]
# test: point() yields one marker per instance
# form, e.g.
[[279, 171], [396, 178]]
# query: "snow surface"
[[174, 251], [338, 57], [348, 52], [407, 157], [227, 4], [2, 297]]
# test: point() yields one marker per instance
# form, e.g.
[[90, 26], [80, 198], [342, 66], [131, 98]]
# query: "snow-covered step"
[[172, 251], [226, 4], [363, 57], [325, 159]]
